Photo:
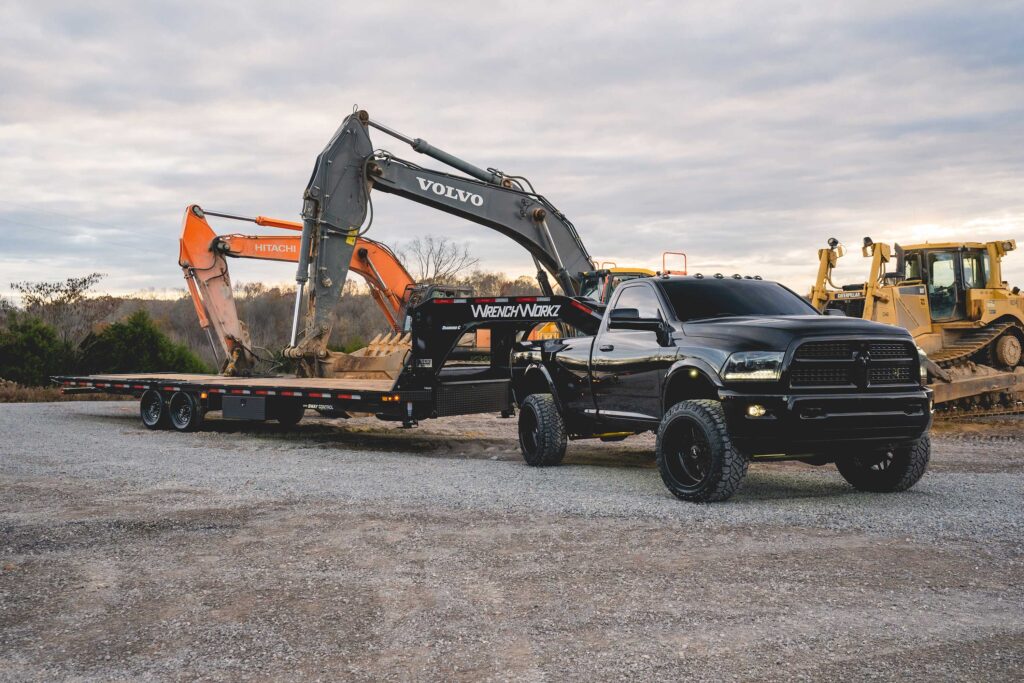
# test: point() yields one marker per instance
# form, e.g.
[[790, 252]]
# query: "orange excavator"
[[202, 257]]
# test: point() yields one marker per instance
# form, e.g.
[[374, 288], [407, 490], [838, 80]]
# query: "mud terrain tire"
[[696, 457], [541, 431]]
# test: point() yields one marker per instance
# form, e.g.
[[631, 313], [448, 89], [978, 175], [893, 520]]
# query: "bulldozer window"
[[942, 296], [912, 268], [975, 269]]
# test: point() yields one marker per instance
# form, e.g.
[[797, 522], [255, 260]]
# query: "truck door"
[[627, 366]]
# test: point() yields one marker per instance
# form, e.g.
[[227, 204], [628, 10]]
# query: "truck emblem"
[[450, 192]]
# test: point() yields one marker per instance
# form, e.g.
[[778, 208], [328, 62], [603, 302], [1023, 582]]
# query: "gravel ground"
[[359, 550]]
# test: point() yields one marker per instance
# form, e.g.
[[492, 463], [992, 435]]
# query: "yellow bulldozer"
[[952, 298]]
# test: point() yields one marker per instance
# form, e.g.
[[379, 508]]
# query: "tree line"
[[66, 327]]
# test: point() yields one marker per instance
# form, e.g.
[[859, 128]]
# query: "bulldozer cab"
[[948, 274]]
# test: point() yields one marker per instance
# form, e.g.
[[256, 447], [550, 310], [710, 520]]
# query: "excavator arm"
[[202, 257], [337, 208]]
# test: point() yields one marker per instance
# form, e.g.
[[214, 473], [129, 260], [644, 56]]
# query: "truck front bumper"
[[825, 423]]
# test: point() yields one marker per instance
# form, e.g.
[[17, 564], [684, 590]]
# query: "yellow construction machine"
[[952, 298]]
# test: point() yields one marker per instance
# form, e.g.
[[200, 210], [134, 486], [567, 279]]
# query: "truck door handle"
[[606, 347]]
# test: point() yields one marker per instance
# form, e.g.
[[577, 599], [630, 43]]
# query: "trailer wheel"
[[888, 470], [541, 431], [695, 454], [153, 410], [185, 412], [289, 414]]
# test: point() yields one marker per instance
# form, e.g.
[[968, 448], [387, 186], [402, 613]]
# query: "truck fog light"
[[756, 410]]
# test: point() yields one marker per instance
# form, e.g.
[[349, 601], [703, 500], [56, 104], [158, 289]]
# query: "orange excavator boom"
[[202, 258]]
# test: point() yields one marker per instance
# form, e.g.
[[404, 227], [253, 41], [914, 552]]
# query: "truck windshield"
[[695, 299]]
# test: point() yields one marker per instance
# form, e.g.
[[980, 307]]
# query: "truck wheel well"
[[689, 384], [534, 382]]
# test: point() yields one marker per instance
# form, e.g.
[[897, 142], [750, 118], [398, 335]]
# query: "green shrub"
[[137, 345], [31, 351]]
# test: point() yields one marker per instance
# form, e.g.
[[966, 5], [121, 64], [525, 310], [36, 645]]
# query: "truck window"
[[642, 299], [694, 298], [975, 269]]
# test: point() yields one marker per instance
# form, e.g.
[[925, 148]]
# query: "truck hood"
[[776, 333]]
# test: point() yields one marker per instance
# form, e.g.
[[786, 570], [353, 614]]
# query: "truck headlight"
[[922, 359], [753, 366]]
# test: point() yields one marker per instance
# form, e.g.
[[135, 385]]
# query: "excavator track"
[[969, 344]]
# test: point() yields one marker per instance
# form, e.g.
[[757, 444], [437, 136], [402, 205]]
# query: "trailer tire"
[[542, 438], [696, 457], [289, 414], [889, 470], [185, 412], [153, 410]]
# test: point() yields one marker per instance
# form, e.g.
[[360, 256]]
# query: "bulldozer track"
[[958, 414], [970, 344]]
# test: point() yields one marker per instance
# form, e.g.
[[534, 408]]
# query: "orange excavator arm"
[[202, 258]]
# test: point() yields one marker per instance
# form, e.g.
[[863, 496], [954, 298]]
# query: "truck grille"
[[853, 363], [821, 377]]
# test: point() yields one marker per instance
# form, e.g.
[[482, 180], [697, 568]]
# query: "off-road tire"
[[904, 466], [724, 465], [153, 410], [542, 437], [184, 411]]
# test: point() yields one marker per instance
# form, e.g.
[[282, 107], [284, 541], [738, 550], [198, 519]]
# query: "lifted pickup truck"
[[727, 370]]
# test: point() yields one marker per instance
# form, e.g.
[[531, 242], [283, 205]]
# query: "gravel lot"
[[363, 551]]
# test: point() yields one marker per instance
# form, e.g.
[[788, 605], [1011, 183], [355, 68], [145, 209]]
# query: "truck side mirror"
[[629, 319]]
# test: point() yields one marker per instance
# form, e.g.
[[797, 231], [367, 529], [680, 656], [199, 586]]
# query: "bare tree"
[[435, 259], [66, 305]]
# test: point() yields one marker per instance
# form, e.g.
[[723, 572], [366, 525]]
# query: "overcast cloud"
[[744, 134]]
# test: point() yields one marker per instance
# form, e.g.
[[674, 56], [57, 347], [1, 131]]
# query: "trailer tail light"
[[203, 395], [578, 305], [390, 398]]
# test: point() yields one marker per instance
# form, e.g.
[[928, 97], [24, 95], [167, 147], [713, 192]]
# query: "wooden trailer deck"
[[270, 383]]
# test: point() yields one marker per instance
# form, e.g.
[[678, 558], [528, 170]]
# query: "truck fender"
[[685, 368], [529, 372]]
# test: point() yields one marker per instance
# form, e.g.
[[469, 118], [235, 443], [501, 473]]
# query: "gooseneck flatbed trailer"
[[432, 383]]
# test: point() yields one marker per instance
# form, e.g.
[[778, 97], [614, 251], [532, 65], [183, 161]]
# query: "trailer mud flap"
[[478, 396]]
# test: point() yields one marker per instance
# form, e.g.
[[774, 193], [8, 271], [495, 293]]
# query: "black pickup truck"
[[727, 370]]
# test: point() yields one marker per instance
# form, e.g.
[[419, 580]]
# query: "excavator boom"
[[337, 209], [202, 257]]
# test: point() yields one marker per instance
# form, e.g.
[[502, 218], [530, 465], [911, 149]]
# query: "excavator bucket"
[[382, 358]]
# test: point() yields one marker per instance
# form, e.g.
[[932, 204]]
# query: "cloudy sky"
[[742, 133]]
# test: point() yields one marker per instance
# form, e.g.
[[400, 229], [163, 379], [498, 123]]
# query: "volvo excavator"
[[336, 213], [953, 300]]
